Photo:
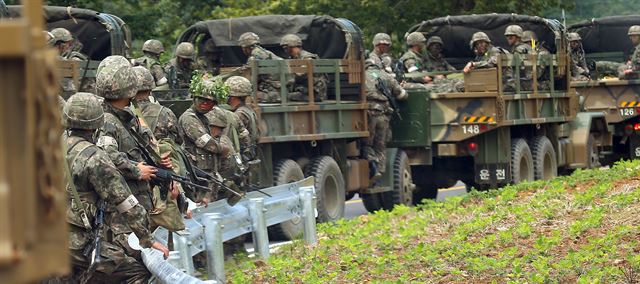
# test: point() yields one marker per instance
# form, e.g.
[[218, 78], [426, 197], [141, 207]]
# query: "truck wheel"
[[372, 202], [330, 188], [402, 190], [521, 161], [593, 156], [350, 195], [286, 171], [545, 163]]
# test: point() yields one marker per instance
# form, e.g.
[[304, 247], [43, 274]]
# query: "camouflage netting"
[[608, 34], [456, 32], [322, 35]]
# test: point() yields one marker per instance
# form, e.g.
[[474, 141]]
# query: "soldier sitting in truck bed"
[[487, 57], [268, 87], [292, 45], [514, 35], [531, 39], [579, 69]]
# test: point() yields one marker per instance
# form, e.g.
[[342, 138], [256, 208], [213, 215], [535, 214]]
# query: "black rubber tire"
[[593, 156], [402, 189], [330, 188], [350, 195], [521, 161], [545, 163], [372, 202], [286, 171]]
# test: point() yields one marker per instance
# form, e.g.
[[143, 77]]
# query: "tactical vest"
[[201, 158]]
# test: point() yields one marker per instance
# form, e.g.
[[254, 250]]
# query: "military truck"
[[606, 44], [299, 139], [97, 35], [33, 230], [487, 136]]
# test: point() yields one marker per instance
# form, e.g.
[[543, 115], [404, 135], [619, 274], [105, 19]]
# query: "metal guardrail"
[[218, 222]]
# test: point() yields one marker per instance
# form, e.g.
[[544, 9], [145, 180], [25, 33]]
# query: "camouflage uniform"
[[413, 62], [379, 114], [436, 62], [634, 61], [543, 73], [385, 60], [526, 75], [212, 58], [96, 178], [235, 130], [268, 87], [579, 68], [300, 91], [180, 76], [152, 50], [490, 60]]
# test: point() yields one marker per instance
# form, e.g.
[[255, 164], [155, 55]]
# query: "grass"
[[581, 228]]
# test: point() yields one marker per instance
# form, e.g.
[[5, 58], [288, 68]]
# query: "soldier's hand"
[[628, 71], [467, 67], [440, 76], [162, 248], [146, 172], [188, 215], [166, 161], [427, 79], [175, 191]]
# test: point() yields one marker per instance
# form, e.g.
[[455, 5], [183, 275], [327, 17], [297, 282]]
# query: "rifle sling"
[[74, 190]]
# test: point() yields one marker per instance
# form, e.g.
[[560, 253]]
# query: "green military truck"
[[97, 35], [487, 136], [605, 42], [299, 139]]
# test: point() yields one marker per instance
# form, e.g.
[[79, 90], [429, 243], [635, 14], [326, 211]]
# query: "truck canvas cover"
[[608, 34]]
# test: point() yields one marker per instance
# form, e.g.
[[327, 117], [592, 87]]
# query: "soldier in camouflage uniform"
[[66, 45], [292, 45], [211, 60], [381, 52], [268, 87], [200, 145], [487, 57], [378, 115], [239, 89], [434, 61], [96, 179], [235, 130], [632, 69], [531, 39], [514, 35], [413, 59], [152, 49], [180, 69], [579, 68]]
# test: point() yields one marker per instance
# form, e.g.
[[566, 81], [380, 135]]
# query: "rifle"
[[92, 251], [382, 86], [398, 70]]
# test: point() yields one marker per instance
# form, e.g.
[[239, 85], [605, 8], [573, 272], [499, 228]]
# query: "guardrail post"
[[309, 219], [260, 236], [213, 246], [182, 245]]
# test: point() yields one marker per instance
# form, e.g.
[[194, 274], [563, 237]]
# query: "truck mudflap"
[[493, 174]]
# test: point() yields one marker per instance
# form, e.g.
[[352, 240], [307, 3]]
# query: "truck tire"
[[372, 202], [521, 161], [593, 156], [286, 171], [350, 195], [402, 189], [330, 188], [545, 163]]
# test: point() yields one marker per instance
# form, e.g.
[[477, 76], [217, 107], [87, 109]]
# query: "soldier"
[[381, 52], [200, 146], [434, 61], [579, 68], [68, 48], [633, 67], [292, 45], [379, 114], [181, 67], [487, 57], [236, 131], [268, 87], [531, 39], [95, 179], [152, 49], [211, 59], [239, 89], [413, 59], [514, 35]]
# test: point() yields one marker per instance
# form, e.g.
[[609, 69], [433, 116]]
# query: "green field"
[[581, 228]]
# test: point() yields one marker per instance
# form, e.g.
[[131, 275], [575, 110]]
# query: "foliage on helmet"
[[239, 86], [144, 78], [83, 111], [207, 86]]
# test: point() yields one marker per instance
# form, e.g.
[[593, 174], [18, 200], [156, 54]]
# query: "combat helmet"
[[115, 78], [479, 36], [239, 86], [154, 46], [83, 111], [415, 38], [527, 36], [634, 30], [248, 39], [144, 79], [185, 50], [217, 121], [290, 40], [513, 30], [381, 38], [434, 39], [61, 34], [573, 37], [202, 86]]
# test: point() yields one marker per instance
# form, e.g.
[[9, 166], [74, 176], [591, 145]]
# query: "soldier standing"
[[239, 90], [413, 59], [235, 130], [292, 45], [268, 87], [579, 69], [377, 84], [514, 35], [152, 49], [380, 53], [181, 67], [633, 67], [95, 180]]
